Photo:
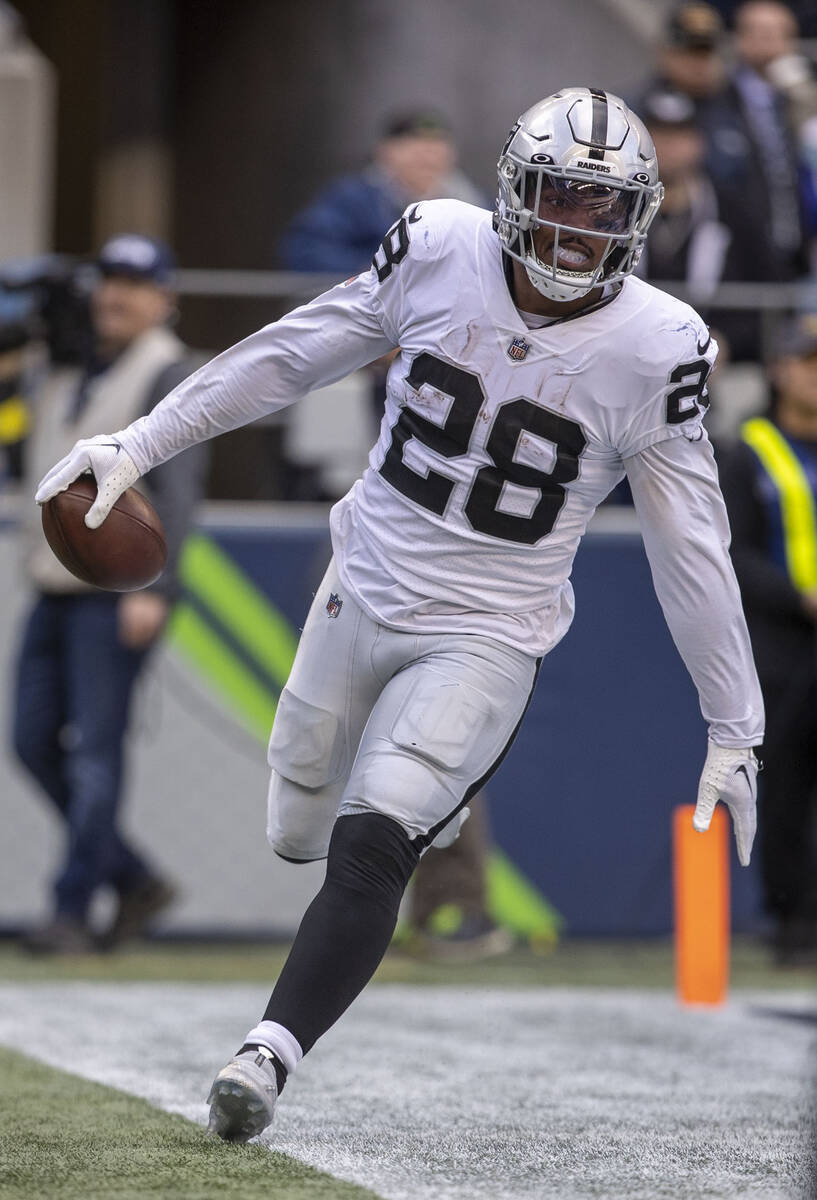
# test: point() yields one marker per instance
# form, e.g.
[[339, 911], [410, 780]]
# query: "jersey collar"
[[602, 302]]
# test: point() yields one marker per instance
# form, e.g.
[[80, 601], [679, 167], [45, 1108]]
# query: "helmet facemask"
[[576, 216], [545, 214]]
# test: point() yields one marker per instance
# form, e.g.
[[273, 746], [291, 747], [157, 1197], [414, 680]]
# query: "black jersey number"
[[690, 398], [513, 419], [452, 439], [449, 440], [394, 247]]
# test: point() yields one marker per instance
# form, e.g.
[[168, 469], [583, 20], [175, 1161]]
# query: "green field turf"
[[65, 1138], [577, 963]]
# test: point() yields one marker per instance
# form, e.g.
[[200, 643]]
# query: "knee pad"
[[372, 854], [299, 819], [306, 744]]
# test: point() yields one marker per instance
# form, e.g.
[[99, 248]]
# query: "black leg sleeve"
[[347, 928]]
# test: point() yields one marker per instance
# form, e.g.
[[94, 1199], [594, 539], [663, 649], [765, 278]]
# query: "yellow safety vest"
[[14, 420], [796, 499]]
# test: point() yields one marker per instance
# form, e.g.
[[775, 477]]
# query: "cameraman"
[[82, 649]]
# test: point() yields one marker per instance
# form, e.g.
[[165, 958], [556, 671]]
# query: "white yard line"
[[475, 1093]]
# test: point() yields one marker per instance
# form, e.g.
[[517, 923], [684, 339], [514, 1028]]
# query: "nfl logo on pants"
[[334, 604]]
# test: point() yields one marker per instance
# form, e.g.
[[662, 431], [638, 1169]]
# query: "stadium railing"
[[772, 300]]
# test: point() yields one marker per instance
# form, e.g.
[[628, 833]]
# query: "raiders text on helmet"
[[582, 165]]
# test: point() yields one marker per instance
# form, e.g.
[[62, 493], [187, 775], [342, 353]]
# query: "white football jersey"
[[499, 442]]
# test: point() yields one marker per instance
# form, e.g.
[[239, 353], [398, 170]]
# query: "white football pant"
[[376, 720]]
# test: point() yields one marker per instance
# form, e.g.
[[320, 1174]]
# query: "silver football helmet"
[[576, 168]]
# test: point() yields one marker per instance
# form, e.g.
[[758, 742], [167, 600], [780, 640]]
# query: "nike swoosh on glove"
[[730, 775], [103, 457]]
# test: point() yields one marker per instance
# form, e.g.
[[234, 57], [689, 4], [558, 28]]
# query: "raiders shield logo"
[[334, 604], [518, 349]]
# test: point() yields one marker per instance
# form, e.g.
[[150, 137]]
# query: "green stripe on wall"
[[253, 705], [243, 610], [515, 903]]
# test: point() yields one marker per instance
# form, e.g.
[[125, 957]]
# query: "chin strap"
[[552, 289]]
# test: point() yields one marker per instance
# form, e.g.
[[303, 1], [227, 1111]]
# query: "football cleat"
[[242, 1098]]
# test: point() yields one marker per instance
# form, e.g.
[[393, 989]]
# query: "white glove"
[[729, 775], [111, 466]]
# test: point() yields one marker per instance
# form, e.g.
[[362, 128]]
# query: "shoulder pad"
[[670, 331], [427, 231]]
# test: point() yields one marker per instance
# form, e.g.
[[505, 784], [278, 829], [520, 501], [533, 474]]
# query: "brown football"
[[127, 552]]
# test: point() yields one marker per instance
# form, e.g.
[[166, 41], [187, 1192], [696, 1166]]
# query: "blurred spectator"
[[805, 12], [701, 235], [82, 649], [773, 75], [766, 43], [769, 481], [415, 159], [775, 94], [751, 149], [690, 59], [689, 239]]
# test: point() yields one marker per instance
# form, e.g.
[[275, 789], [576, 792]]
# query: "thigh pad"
[[306, 745], [441, 721]]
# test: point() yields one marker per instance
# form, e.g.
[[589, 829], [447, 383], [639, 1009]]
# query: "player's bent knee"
[[306, 745], [299, 820], [373, 854], [403, 785]]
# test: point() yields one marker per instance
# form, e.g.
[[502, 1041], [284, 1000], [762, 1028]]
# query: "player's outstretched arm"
[[686, 536], [111, 466], [307, 349]]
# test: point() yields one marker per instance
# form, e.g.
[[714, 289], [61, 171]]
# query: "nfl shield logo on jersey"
[[334, 604], [518, 349]]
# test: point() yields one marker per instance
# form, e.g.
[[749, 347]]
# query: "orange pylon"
[[701, 888]]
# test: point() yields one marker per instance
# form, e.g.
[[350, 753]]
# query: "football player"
[[534, 371]]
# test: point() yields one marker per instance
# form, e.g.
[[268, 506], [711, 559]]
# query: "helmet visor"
[[582, 204]]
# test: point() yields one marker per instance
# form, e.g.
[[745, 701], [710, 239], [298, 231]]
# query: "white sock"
[[279, 1040]]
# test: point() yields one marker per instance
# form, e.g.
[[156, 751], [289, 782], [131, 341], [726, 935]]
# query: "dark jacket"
[[738, 165], [342, 228]]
